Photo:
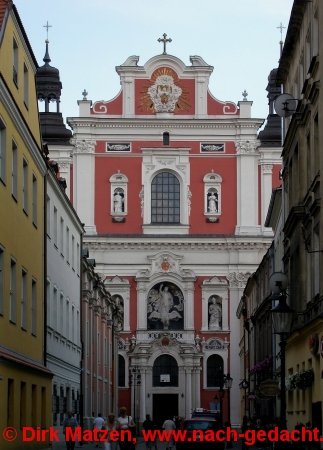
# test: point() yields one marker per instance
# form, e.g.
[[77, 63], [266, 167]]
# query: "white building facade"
[[64, 240]]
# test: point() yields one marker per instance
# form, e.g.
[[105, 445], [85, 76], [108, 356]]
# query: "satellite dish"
[[285, 105], [278, 282]]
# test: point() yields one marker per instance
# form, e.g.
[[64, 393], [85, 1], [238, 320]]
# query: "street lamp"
[[282, 317]]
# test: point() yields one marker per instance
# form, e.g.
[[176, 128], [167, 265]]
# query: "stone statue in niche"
[[215, 313], [212, 202], [165, 307], [118, 300], [118, 201]]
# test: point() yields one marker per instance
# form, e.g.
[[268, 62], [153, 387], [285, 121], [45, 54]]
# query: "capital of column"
[[267, 169], [83, 146]]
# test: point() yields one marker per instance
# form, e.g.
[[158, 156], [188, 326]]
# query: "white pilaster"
[[247, 188], [84, 183], [142, 415], [188, 392], [142, 307], [197, 386]]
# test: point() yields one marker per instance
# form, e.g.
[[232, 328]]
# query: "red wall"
[[130, 165]]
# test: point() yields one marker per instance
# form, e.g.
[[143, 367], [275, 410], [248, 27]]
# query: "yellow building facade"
[[25, 382]]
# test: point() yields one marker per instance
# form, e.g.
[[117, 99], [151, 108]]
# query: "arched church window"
[[215, 312], [165, 199], [165, 371], [212, 196], [165, 307], [121, 371], [214, 368], [118, 197]]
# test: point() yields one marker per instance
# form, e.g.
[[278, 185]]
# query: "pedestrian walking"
[[169, 425], [110, 425], [98, 424], [148, 424], [71, 423], [126, 422]]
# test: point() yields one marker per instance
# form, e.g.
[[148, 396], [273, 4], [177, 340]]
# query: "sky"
[[89, 38]]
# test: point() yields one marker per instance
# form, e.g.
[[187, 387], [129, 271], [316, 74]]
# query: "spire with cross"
[[281, 27], [164, 40], [47, 26]]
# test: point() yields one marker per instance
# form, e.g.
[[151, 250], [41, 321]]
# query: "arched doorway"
[[165, 376]]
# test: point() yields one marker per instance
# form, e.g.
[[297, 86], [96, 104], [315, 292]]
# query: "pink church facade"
[[173, 186]]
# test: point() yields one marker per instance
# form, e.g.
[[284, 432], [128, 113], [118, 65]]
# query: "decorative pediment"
[[163, 263], [215, 344], [116, 281], [215, 281]]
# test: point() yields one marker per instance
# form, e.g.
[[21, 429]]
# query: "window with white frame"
[[14, 169], [165, 199], [34, 307], [34, 200], [61, 235], [1, 278], [23, 311], [15, 62], [12, 293], [26, 86], [212, 196], [25, 185], [55, 226], [118, 197], [3, 151], [165, 196]]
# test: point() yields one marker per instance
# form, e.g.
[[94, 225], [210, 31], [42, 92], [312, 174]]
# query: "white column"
[[197, 386], [84, 182], [247, 188], [235, 295], [126, 311], [142, 415], [189, 307], [141, 306], [128, 96], [205, 311], [188, 392]]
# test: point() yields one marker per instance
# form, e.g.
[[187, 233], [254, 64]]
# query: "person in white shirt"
[[169, 425], [125, 422], [98, 423]]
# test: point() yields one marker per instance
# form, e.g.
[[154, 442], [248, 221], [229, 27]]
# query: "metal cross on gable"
[[164, 40], [281, 27], [47, 26]]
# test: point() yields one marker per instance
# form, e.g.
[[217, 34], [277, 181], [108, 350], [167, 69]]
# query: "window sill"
[[166, 229]]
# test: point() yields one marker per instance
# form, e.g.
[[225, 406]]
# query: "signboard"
[[269, 388], [212, 147], [116, 147], [165, 378]]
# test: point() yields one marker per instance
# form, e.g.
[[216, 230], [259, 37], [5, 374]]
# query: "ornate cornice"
[[148, 122], [104, 244]]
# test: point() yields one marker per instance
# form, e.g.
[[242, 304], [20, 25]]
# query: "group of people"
[[123, 422]]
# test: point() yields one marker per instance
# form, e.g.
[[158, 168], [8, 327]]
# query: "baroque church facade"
[[173, 187]]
